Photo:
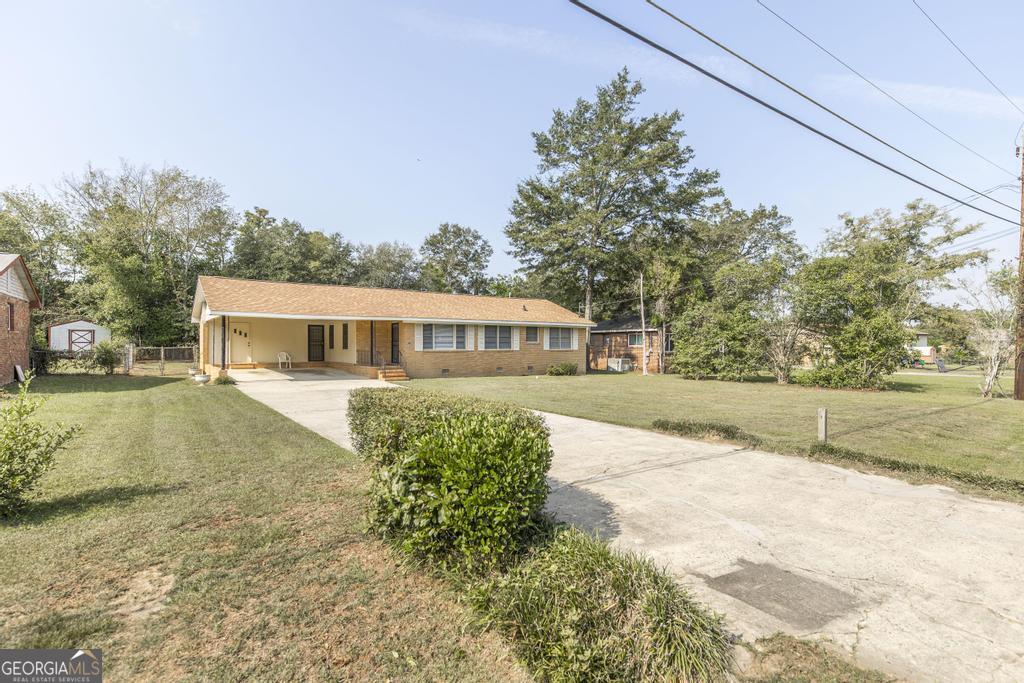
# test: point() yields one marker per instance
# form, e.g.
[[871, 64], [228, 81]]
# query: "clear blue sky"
[[382, 119]]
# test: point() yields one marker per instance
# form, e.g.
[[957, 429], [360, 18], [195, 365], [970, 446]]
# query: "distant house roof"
[[260, 298], [626, 323], [16, 264]]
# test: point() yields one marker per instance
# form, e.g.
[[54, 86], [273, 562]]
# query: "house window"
[[344, 336], [636, 339], [532, 335], [669, 346], [330, 336], [10, 317], [560, 338], [497, 337], [444, 337]]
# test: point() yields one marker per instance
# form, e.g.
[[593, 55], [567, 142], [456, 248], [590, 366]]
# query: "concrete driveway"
[[316, 398], [919, 581]]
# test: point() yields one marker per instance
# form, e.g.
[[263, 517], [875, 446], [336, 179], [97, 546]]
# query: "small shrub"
[[577, 610], [106, 356], [703, 429], [563, 369], [225, 379], [459, 480], [27, 447]]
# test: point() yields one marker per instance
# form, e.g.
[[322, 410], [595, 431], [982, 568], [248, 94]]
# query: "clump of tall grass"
[[576, 610]]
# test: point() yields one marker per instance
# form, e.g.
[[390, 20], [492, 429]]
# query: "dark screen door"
[[394, 343], [316, 343]]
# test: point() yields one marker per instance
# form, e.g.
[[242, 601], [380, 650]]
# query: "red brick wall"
[[14, 345], [605, 345]]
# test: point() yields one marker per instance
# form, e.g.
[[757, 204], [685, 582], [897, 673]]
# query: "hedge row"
[[827, 451], [460, 480]]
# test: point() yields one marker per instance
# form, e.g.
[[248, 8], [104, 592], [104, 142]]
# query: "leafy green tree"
[[949, 331], [872, 276], [145, 237], [606, 180], [388, 264], [454, 259], [269, 249], [723, 336], [39, 230], [734, 314]]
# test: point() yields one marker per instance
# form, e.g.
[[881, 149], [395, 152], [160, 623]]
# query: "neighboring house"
[[381, 332], [76, 335], [623, 338], [18, 296], [921, 346]]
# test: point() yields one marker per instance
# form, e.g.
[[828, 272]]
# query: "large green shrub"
[[460, 480], [106, 356], [27, 447], [577, 610]]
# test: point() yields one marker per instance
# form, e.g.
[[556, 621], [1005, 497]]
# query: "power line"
[[969, 60], [823, 107], [883, 91], [973, 244], [946, 208], [735, 88]]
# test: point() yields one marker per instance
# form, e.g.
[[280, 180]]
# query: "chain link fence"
[[160, 360]]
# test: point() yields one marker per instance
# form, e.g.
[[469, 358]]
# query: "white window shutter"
[[480, 338], [469, 337], [515, 338], [547, 338], [419, 337], [575, 338]]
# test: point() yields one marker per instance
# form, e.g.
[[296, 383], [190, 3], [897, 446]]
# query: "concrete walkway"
[[919, 581]]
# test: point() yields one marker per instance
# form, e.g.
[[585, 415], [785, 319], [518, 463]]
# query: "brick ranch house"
[[18, 296], [378, 332], [623, 338]]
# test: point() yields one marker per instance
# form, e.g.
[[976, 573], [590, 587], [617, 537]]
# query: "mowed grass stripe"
[[192, 532]]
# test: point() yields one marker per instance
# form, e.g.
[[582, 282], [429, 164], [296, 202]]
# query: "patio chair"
[[284, 359]]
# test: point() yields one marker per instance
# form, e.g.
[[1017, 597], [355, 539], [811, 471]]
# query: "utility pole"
[[643, 325], [1018, 366]]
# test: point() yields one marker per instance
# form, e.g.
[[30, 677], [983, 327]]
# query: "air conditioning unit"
[[620, 364]]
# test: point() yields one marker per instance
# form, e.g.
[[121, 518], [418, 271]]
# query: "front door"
[[316, 343], [394, 344], [241, 343]]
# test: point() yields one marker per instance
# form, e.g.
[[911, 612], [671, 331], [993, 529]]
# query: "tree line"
[[616, 200], [126, 248]]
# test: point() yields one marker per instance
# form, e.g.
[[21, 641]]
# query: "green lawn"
[[936, 419], [193, 533]]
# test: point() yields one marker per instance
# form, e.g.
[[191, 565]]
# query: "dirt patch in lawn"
[[146, 595]]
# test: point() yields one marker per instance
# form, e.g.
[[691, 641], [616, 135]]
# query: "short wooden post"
[[823, 425], [161, 360]]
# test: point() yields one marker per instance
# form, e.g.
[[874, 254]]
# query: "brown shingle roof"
[[258, 297]]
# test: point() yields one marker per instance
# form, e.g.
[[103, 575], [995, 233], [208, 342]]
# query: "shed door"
[[241, 343], [81, 340]]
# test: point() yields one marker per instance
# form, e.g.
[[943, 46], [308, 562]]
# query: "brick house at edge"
[[18, 296]]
